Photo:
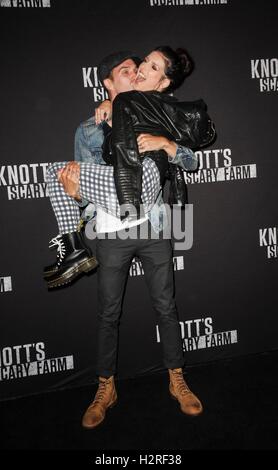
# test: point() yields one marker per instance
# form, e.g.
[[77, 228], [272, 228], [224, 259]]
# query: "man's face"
[[122, 77]]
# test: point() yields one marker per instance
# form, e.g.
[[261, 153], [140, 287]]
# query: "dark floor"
[[240, 412]]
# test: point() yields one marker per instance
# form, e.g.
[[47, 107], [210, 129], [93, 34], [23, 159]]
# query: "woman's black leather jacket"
[[134, 113]]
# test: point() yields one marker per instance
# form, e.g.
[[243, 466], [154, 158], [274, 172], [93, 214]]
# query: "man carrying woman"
[[144, 171]]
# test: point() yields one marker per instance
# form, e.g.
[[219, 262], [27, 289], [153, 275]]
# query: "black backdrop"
[[225, 283]]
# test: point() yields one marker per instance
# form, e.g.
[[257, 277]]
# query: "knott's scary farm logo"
[[25, 360], [268, 238], [5, 284], [215, 165], [182, 3], [25, 3], [136, 268], [266, 71], [90, 80], [26, 181], [199, 334]]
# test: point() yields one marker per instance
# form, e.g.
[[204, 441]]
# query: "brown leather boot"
[[106, 397], [180, 391]]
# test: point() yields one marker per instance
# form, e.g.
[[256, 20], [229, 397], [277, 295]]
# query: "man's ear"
[[107, 82], [164, 83]]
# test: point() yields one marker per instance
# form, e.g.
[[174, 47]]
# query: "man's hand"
[[103, 112], [69, 178], [148, 142]]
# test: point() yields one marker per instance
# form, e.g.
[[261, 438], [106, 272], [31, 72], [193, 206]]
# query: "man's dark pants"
[[114, 257]]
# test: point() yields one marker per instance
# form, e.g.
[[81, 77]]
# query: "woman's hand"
[[148, 142], [69, 178], [103, 112]]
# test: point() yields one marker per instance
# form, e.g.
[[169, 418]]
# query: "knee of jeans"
[[166, 311], [108, 317]]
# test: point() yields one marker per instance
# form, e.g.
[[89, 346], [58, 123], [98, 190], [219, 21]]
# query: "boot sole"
[[108, 407], [84, 267]]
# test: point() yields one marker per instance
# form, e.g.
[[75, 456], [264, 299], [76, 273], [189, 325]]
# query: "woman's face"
[[151, 73]]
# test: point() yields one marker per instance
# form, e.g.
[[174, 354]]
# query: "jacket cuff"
[[82, 203], [178, 157]]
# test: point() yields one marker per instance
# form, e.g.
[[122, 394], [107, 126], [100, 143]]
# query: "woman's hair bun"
[[178, 65], [186, 63]]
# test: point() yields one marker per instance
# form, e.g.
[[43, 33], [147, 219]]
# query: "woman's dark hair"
[[178, 66]]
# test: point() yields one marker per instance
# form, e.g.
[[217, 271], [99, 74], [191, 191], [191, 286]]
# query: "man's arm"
[[81, 153], [83, 142], [185, 158]]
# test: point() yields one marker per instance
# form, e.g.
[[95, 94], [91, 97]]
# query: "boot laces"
[[61, 248], [182, 387], [100, 392]]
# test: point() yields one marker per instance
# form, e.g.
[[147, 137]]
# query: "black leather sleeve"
[[195, 125], [187, 123]]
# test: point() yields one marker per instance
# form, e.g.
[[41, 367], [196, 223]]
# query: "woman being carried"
[[138, 179]]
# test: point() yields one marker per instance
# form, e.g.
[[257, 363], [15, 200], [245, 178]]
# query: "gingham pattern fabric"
[[97, 186]]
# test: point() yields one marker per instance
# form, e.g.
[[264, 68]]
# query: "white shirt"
[[109, 223]]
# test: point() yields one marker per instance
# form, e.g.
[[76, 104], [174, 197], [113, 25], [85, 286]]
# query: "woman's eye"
[[154, 67]]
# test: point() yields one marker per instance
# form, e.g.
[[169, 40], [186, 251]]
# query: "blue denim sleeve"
[[88, 145], [185, 158], [82, 152]]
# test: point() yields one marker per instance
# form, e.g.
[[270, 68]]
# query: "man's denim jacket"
[[88, 148]]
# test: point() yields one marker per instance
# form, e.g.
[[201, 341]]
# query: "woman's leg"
[[97, 186], [65, 208]]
